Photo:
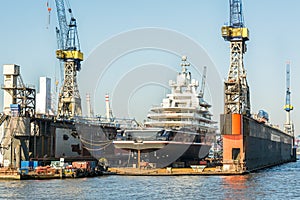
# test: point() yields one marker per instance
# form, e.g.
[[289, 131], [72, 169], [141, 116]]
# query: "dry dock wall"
[[249, 145]]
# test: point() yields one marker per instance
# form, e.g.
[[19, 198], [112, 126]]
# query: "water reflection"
[[281, 182], [237, 187]]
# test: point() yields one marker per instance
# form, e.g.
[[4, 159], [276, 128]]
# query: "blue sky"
[[274, 30]]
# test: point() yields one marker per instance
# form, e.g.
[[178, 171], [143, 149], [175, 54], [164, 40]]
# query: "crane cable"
[[49, 13]]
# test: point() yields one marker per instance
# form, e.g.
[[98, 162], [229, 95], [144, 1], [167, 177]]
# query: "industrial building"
[[43, 98]]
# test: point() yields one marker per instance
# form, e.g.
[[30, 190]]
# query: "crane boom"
[[236, 29], [69, 46], [237, 95], [236, 14], [62, 21]]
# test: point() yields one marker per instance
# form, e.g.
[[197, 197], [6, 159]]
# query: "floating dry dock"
[[252, 145], [248, 145]]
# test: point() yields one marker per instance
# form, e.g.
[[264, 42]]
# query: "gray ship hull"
[[165, 148], [167, 154]]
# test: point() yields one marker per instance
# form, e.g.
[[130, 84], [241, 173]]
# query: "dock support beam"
[[139, 159]]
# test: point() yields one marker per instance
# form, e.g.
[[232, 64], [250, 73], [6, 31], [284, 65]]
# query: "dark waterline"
[[280, 182]]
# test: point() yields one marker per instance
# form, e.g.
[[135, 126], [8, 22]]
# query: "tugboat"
[[178, 133]]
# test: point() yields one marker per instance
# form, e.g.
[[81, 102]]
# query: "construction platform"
[[9, 174], [169, 171], [13, 174]]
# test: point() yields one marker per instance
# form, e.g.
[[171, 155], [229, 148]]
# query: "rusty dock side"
[[194, 171], [9, 174]]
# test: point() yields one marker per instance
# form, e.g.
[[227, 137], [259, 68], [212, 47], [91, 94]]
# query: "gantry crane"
[[237, 97], [69, 101], [288, 126]]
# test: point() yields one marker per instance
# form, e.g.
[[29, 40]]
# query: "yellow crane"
[[70, 56], [288, 126], [237, 97]]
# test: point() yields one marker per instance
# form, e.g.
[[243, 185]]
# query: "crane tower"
[[288, 126], [237, 97], [69, 101]]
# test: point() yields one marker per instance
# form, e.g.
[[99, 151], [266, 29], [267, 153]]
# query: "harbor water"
[[280, 182]]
